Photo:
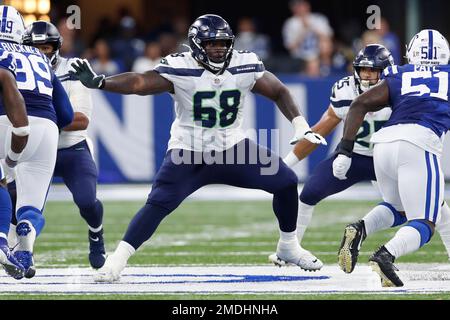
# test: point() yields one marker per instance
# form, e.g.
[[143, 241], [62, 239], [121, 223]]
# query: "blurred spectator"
[[302, 31], [72, 45], [390, 40], [331, 60], [168, 43], [368, 37], [248, 38], [102, 62], [312, 68], [150, 60], [127, 46], [181, 27]]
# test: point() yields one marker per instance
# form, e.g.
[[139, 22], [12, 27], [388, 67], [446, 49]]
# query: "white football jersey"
[[80, 98], [343, 93], [209, 107]]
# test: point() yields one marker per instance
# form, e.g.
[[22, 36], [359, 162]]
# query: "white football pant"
[[410, 179], [37, 162]]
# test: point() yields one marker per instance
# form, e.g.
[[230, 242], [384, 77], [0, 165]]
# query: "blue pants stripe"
[[436, 199], [429, 176]]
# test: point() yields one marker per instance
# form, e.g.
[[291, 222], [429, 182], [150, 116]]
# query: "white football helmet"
[[12, 26], [428, 47]]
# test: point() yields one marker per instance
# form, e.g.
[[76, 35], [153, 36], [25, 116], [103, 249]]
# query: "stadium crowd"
[[310, 46]]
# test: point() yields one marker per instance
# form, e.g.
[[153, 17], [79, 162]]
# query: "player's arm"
[[146, 83], [327, 123], [271, 87], [372, 100], [80, 122], [15, 110], [61, 103]]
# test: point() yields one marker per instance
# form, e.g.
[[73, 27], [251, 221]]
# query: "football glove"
[[341, 165], [303, 131], [343, 161], [83, 72]]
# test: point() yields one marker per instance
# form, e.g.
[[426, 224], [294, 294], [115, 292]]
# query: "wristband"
[[21, 131], [345, 147], [13, 155]]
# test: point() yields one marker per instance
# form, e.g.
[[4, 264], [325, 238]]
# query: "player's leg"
[[33, 177], [79, 173], [173, 183], [7, 259], [383, 216], [321, 183], [420, 185], [443, 226], [249, 165]]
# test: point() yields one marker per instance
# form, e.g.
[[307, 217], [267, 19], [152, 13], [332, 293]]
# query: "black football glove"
[[87, 76]]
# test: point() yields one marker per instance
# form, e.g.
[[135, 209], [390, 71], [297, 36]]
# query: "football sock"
[[285, 206], [26, 235], [124, 251], [93, 215], [291, 159], [144, 224], [288, 236], [409, 238], [382, 217], [443, 227], [305, 212], [5, 210], [12, 236]]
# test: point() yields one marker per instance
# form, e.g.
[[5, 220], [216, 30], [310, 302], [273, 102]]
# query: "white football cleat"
[[111, 270], [294, 254]]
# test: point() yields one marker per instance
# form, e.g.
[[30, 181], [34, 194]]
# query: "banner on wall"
[[130, 133]]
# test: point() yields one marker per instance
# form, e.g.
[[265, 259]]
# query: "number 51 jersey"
[[208, 107], [420, 107]]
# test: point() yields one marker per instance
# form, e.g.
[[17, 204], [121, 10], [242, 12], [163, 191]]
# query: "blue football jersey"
[[419, 95], [34, 78]]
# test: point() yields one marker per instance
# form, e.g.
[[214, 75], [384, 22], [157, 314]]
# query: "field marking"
[[226, 279]]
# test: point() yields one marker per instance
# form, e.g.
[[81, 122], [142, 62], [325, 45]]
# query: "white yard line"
[[225, 279]]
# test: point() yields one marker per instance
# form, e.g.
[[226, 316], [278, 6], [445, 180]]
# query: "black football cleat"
[[354, 235], [382, 262]]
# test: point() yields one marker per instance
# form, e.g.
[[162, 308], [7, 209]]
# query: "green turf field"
[[208, 233]]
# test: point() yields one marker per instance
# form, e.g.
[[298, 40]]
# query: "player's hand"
[[303, 131], [87, 76], [341, 165], [9, 172]]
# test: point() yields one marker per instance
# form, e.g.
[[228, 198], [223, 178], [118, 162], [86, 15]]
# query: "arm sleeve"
[[61, 103]]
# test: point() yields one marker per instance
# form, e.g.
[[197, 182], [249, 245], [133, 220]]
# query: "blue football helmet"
[[374, 56], [43, 32], [210, 27]]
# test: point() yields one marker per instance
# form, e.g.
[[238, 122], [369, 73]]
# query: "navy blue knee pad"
[[399, 219], [423, 228]]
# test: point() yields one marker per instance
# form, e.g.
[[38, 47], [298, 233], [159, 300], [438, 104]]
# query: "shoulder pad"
[[343, 92], [390, 71], [178, 60], [7, 61], [241, 57]]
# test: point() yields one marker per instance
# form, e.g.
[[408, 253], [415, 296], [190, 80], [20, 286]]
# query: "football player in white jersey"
[[208, 85], [368, 66], [407, 149], [74, 162]]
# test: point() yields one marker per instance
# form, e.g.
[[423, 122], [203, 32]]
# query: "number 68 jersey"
[[343, 93], [208, 107]]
